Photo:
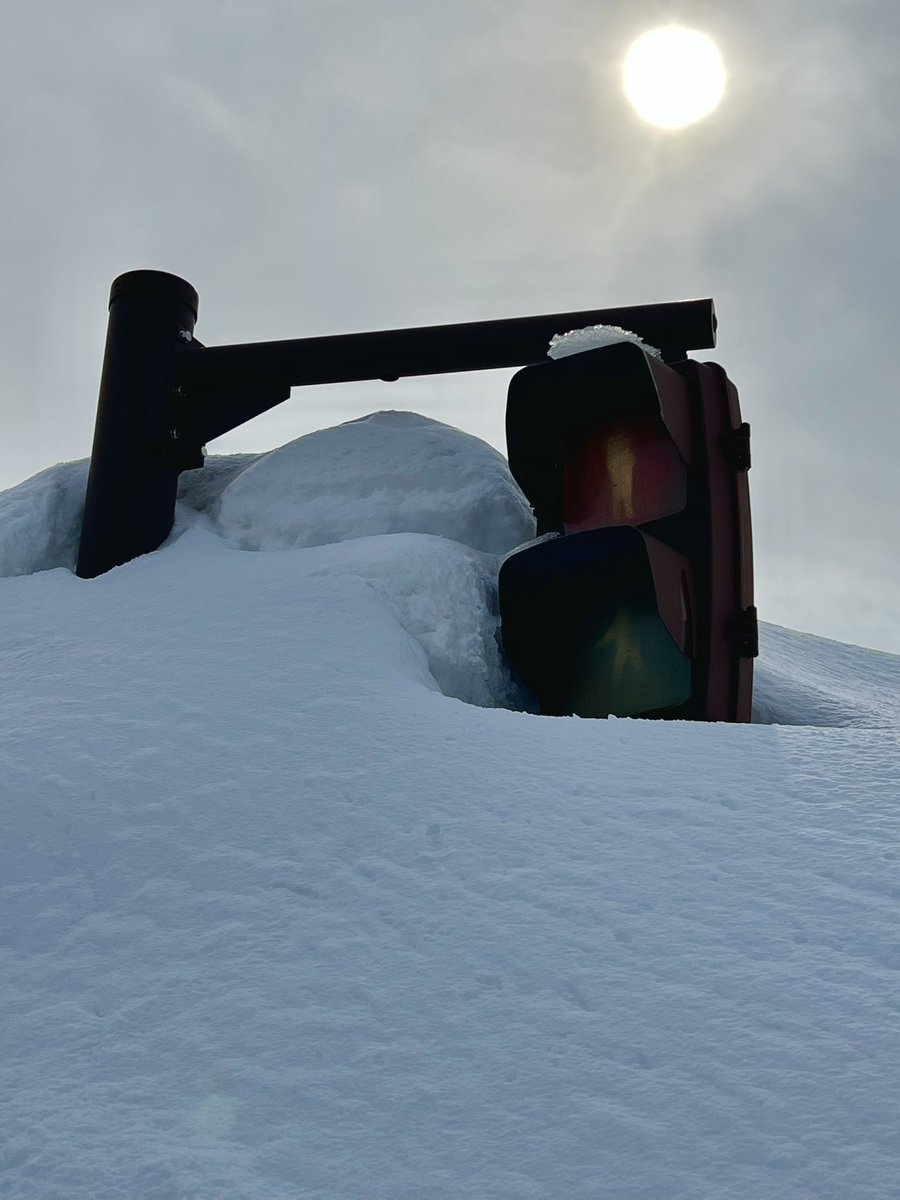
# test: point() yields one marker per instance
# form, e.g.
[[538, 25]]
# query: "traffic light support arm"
[[163, 395], [226, 385]]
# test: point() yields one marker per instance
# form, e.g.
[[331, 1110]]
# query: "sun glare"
[[673, 76]]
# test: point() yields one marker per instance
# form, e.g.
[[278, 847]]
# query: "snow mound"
[[40, 520], [390, 472], [442, 594], [801, 679], [592, 337], [199, 490]]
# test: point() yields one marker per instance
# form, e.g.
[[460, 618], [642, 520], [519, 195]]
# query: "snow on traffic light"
[[637, 598]]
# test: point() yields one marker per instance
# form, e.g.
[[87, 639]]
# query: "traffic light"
[[637, 597]]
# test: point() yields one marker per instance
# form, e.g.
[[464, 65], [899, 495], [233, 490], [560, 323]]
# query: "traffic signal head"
[[641, 605]]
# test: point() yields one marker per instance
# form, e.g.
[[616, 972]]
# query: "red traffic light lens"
[[600, 438], [627, 471]]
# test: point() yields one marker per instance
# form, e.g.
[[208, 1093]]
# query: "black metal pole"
[[137, 454]]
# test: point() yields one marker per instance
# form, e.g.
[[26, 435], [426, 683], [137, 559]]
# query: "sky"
[[340, 165]]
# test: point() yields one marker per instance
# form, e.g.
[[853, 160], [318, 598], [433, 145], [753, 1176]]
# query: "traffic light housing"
[[637, 599]]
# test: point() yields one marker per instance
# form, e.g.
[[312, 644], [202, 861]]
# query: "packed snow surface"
[[283, 916]]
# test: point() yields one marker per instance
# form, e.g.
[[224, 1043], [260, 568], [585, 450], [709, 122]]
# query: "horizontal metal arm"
[[226, 385]]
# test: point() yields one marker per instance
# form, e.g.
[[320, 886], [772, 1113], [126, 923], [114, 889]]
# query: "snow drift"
[[282, 917]]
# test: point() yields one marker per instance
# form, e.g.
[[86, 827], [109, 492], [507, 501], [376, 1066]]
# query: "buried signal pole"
[[138, 452]]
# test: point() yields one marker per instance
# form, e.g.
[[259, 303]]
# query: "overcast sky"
[[328, 166]]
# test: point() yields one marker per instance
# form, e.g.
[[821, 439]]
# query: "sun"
[[673, 76]]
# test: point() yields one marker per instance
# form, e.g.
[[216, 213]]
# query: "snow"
[[40, 520], [295, 904], [391, 472], [592, 337]]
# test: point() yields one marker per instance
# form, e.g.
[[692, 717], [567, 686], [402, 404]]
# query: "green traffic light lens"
[[627, 664], [582, 624]]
